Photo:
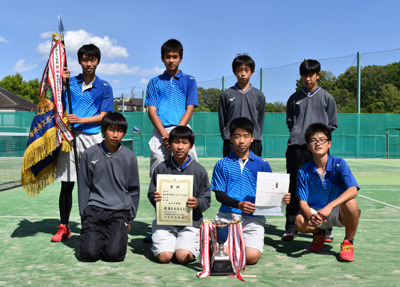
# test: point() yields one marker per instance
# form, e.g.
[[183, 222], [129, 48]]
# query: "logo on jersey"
[[94, 161]]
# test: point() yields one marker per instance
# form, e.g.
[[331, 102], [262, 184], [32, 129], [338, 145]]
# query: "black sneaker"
[[148, 239], [328, 235], [289, 235]]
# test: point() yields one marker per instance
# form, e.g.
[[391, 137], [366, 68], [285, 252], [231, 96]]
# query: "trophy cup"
[[222, 264]]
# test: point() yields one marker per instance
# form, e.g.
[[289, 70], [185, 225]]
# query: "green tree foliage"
[[276, 107], [29, 90], [208, 99]]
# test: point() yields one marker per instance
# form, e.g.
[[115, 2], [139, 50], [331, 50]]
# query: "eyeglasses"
[[315, 141]]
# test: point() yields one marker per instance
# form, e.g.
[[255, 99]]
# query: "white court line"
[[379, 201], [365, 189], [373, 163]]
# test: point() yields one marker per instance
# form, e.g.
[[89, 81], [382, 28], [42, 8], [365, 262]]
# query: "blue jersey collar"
[[237, 87], [106, 150], [183, 166], [233, 156], [328, 166], [94, 84], [312, 93], [168, 76]]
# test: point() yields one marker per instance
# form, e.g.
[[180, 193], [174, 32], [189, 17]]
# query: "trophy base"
[[222, 266]]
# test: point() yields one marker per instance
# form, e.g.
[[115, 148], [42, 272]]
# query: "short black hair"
[[172, 45], [241, 123], [243, 59], [310, 67], [181, 132], [90, 51], [317, 128], [114, 119]]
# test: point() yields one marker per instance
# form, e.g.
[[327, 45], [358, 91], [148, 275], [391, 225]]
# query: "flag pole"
[[61, 28]]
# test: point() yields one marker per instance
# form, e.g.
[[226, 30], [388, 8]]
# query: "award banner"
[[271, 187], [175, 191]]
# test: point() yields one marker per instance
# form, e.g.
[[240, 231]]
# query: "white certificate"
[[271, 187], [175, 191]]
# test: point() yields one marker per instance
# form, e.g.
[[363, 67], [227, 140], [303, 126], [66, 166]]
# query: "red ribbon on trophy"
[[237, 248], [208, 233]]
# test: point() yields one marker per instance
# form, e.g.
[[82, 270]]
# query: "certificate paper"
[[271, 188], [175, 191]]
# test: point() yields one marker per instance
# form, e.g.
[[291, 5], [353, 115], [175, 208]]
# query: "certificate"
[[271, 187], [175, 191]]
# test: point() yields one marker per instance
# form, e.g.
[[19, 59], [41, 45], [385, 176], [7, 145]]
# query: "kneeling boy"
[[183, 241], [108, 193], [326, 189], [234, 182]]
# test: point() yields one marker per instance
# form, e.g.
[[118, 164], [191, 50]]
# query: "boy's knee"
[[300, 224], [252, 256], [184, 256], [90, 254], [165, 257], [114, 254], [351, 205]]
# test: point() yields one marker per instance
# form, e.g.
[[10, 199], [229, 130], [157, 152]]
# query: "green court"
[[27, 257]]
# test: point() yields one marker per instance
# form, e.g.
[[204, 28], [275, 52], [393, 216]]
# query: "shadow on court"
[[32, 228], [296, 248]]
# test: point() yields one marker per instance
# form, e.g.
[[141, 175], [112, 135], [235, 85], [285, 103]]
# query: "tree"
[[208, 99], [28, 90]]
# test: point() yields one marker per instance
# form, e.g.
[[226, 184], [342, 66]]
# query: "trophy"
[[222, 264]]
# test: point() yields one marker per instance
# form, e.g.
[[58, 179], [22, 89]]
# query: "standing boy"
[[183, 241], [242, 100], [91, 99], [311, 104], [234, 182], [171, 99], [326, 188], [108, 193]]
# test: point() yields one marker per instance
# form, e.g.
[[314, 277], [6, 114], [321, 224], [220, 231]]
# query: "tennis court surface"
[[27, 257]]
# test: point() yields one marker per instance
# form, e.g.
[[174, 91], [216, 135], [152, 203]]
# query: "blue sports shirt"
[[338, 178], [170, 95], [240, 185], [89, 103]]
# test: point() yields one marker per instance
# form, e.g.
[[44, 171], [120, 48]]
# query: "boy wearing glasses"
[[307, 106], [327, 190]]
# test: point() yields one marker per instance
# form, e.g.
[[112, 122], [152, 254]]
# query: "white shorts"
[[332, 219], [168, 238], [66, 160], [253, 228], [159, 152]]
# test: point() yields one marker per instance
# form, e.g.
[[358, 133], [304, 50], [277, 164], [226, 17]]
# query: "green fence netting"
[[357, 136]]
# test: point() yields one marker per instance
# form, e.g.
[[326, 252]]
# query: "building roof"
[[12, 101]]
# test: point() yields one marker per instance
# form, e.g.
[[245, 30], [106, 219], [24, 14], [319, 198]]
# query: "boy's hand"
[[157, 196], [316, 220], [74, 119], [286, 198], [66, 75], [165, 138], [192, 202], [247, 207], [324, 212]]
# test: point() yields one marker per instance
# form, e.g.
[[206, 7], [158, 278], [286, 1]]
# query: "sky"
[[278, 35]]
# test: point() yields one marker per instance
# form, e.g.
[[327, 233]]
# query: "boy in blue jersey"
[[327, 190], [234, 182], [92, 99], [242, 101], [108, 193], [181, 241], [171, 99]]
